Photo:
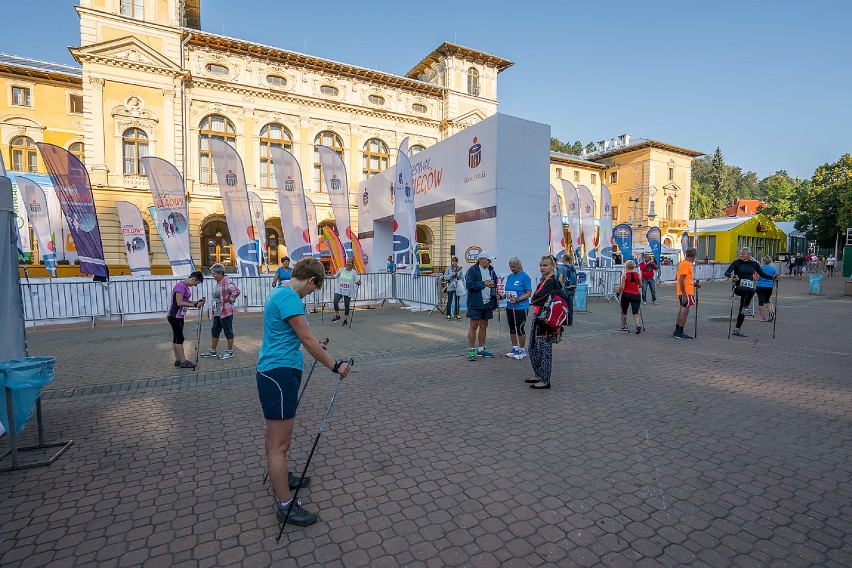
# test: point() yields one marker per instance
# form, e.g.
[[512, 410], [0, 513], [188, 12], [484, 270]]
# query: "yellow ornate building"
[[150, 82]]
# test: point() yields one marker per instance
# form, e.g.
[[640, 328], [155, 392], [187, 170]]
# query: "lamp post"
[[636, 215]]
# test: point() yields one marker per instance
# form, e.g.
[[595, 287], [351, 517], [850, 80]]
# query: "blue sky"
[[768, 82]]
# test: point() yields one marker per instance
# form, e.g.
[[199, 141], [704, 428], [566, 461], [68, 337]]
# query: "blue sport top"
[[281, 346], [517, 285], [284, 274], [767, 282]]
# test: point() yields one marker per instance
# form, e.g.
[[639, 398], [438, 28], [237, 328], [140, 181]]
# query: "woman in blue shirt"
[[279, 373], [283, 273], [764, 289], [517, 291]]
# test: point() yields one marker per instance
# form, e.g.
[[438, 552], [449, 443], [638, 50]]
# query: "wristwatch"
[[337, 365]]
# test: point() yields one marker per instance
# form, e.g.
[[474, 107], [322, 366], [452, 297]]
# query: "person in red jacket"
[[648, 268]]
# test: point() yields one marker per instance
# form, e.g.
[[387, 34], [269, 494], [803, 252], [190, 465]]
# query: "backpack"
[[554, 312]]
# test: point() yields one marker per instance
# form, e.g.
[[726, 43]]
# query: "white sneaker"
[[513, 352], [226, 355], [210, 353], [521, 354]]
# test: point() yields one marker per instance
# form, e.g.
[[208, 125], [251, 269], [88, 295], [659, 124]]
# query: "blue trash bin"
[[815, 284], [580, 297], [24, 378]]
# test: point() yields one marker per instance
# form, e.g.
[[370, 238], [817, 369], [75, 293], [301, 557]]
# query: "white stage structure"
[[494, 176]]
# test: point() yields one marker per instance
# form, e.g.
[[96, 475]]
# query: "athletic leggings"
[[745, 300], [541, 356], [346, 300]]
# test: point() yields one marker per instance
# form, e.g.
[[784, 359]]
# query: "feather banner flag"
[[231, 177], [335, 249], [404, 215], [171, 213], [605, 226], [587, 222], [654, 236], [256, 206], [684, 242], [35, 203], [337, 186], [299, 235], [311, 211], [71, 181], [135, 244], [572, 209], [557, 235]]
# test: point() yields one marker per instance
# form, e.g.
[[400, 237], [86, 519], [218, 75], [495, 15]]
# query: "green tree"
[[721, 193], [825, 207], [557, 145], [778, 193]]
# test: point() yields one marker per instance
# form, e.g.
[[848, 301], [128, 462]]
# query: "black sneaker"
[[335, 318], [739, 333], [682, 335], [345, 323], [293, 480], [298, 516]]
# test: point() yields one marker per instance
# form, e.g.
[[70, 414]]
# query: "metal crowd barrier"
[[63, 300]]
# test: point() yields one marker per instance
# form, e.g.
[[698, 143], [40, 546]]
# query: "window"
[[134, 148], [276, 80], [376, 99], [329, 90], [576, 176], [613, 177], [416, 148], [669, 208], [376, 157], [671, 174], [77, 149], [24, 154], [333, 141], [133, 8], [558, 173], [594, 179], [75, 104], [707, 246], [22, 96], [473, 82], [417, 107], [215, 69], [216, 127], [615, 212], [272, 136]]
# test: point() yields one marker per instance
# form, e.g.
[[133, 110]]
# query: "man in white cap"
[[481, 284]]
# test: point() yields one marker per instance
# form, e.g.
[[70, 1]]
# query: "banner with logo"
[[622, 236], [654, 237], [171, 216], [291, 205], [313, 228], [605, 227], [256, 206], [572, 210], [587, 223], [404, 219], [74, 191], [684, 242], [35, 203], [135, 244], [231, 177], [557, 235], [337, 186], [152, 211]]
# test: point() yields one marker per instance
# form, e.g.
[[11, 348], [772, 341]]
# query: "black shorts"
[[278, 390], [177, 329], [516, 319], [221, 324], [480, 313], [764, 296], [631, 300]]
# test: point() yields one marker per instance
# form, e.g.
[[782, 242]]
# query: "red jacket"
[[647, 269]]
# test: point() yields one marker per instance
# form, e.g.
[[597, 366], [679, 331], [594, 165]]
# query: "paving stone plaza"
[[647, 451]]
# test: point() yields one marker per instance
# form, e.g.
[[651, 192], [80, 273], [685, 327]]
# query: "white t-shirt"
[[346, 282], [486, 292]]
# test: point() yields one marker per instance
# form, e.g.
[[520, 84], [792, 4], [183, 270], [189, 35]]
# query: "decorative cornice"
[[448, 49]]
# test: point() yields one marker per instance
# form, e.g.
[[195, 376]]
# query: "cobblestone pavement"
[[647, 451]]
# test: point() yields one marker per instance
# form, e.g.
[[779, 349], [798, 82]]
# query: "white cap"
[[488, 254]]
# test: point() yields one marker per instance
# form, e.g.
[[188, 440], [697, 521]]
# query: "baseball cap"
[[488, 254]]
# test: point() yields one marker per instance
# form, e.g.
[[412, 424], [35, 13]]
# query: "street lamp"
[[635, 217]]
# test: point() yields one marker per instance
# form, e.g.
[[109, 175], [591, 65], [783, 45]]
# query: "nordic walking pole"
[[198, 334], [295, 494], [515, 321], [301, 394], [352, 311], [731, 318], [695, 330], [775, 310]]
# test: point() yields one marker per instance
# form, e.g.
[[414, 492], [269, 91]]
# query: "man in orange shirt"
[[685, 292]]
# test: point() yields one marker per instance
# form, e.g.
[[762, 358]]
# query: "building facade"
[[150, 82]]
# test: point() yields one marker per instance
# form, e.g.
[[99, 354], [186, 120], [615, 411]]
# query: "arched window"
[[272, 136], [24, 154], [218, 128], [376, 157], [333, 141], [77, 149], [215, 69], [134, 148], [473, 82], [416, 148], [669, 208]]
